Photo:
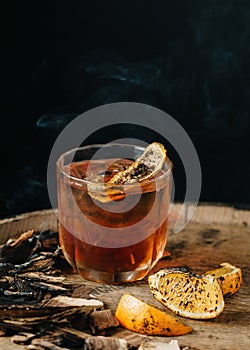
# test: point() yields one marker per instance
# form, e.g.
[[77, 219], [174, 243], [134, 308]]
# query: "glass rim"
[[166, 173]]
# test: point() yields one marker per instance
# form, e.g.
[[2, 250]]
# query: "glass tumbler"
[[111, 233]]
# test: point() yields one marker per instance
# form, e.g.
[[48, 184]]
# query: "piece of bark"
[[18, 251], [71, 337], [56, 310], [40, 276], [105, 343], [49, 287], [101, 321], [64, 301], [19, 289], [23, 237]]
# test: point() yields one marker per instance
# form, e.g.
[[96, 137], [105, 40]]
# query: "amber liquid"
[[117, 241]]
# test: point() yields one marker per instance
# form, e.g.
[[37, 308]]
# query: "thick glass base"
[[112, 278]]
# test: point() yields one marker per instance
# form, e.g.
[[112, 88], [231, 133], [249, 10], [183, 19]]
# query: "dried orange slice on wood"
[[229, 278], [143, 168], [138, 316], [187, 294]]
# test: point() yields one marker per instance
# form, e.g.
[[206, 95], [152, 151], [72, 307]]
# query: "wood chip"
[[20, 250], [64, 301], [23, 237], [100, 321], [40, 276], [56, 310]]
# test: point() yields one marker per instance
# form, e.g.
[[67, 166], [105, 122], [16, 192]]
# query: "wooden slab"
[[211, 238]]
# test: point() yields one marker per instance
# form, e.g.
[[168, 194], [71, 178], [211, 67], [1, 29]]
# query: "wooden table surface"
[[216, 234]]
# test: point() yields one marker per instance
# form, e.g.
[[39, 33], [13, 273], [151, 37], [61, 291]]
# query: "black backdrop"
[[189, 58]]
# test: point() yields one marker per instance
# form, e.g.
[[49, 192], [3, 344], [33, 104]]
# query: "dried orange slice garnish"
[[143, 168], [229, 278], [187, 294], [138, 316]]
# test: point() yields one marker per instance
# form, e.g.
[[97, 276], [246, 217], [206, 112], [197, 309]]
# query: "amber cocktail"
[[111, 232]]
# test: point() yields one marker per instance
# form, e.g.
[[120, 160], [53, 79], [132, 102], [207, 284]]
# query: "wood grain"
[[201, 245]]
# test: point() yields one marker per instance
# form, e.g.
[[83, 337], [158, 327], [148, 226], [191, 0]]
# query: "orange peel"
[[138, 316], [229, 278]]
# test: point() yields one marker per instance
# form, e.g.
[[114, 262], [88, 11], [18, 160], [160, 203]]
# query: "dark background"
[[188, 58]]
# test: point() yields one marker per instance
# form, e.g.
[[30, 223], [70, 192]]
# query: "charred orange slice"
[[143, 168], [187, 294], [138, 316], [229, 278]]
